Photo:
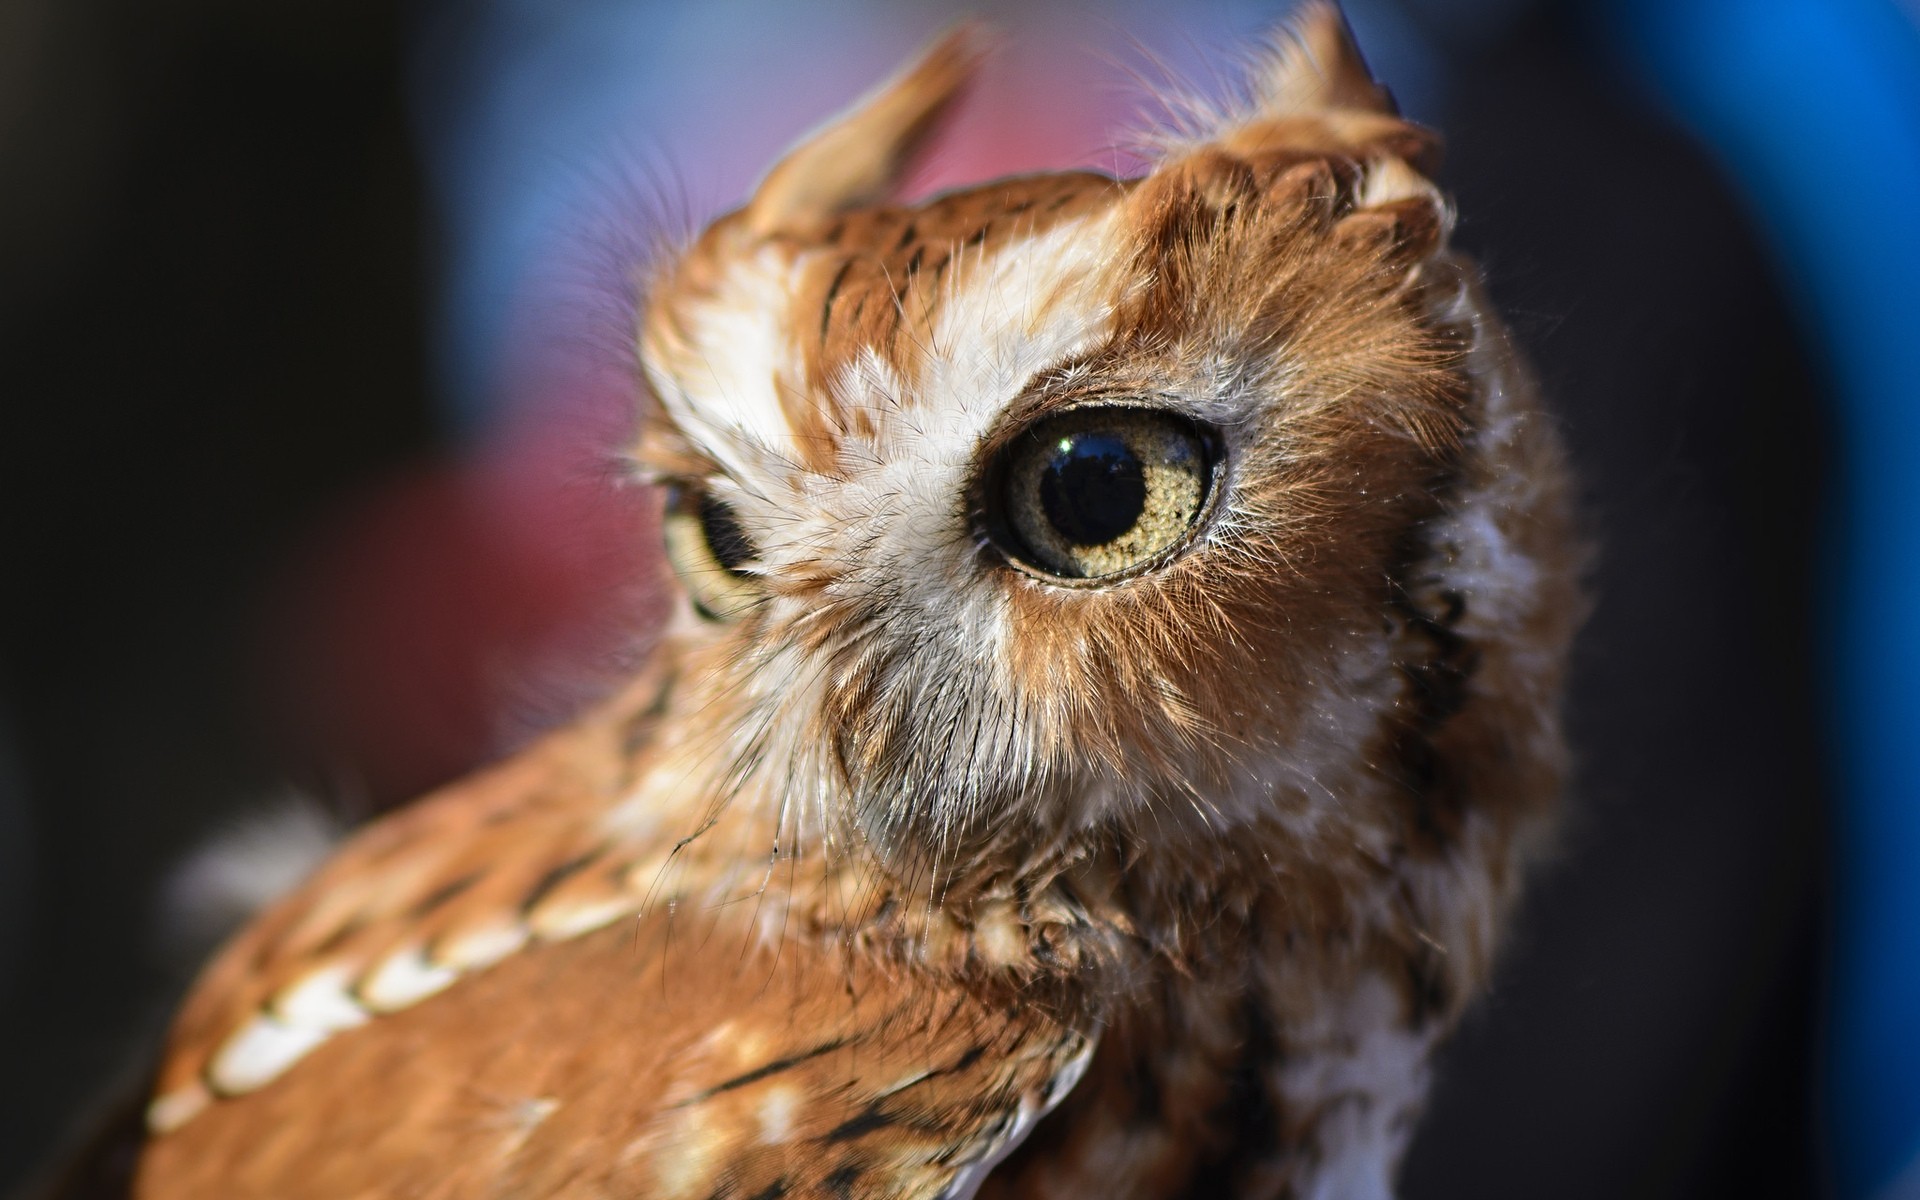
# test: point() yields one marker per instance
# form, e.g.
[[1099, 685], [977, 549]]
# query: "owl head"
[[1062, 504]]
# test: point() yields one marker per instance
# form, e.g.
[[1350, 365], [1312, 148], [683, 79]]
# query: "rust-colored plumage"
[[927, 859]]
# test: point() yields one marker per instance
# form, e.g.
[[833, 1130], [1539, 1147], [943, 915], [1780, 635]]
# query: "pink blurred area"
[[441, 616], [436, 618]]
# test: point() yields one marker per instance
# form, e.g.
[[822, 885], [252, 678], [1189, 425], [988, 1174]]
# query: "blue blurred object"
[[1814, 106]]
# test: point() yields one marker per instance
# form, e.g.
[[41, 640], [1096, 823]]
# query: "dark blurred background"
[[310, 398]]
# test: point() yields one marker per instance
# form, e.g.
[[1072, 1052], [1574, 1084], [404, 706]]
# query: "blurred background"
[[312, 319]]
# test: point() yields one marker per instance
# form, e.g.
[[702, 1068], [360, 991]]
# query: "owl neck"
[[1270, 987]]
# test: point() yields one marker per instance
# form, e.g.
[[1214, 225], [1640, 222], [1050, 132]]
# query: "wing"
[[643, 1060], [487, 996]]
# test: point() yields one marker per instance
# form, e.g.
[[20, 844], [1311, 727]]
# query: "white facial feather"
[[1037, 302], [888, 520], [725, 392]]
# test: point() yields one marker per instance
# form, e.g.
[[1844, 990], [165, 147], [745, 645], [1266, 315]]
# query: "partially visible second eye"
[[710, 552], [1099, 491]]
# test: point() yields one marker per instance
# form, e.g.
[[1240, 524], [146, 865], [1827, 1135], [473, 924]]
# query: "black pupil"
[[724, 536], [1093, 488]]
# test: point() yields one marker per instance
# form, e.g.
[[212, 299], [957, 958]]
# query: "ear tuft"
[[861, 156], [1314, 65], [1309, 92]]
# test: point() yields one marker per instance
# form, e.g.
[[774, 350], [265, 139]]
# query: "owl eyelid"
[[1021, 419]]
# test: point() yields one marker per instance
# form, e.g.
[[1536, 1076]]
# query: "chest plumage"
[[1112, 703]]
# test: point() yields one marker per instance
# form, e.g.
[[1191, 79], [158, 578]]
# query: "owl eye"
[[1099, 491], [709, 551]]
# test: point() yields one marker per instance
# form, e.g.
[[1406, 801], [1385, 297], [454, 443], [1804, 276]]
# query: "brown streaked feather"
[[870, 282], [656, 1059], [513, 854], [879, 275]]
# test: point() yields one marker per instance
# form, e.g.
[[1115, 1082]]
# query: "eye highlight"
[[1096, 492], [709, 551]]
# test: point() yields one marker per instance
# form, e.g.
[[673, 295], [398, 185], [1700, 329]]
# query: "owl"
[[1109, 705]]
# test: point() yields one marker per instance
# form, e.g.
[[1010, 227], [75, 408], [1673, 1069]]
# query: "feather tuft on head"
[[861, 156], [1307, 89]]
